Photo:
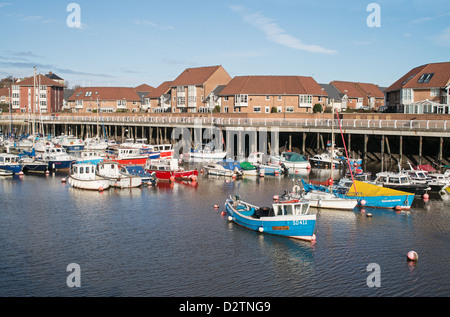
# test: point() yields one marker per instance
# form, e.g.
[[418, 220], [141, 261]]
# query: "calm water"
[[170, 241]]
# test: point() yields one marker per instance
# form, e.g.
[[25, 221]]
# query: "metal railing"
[[441, 125]]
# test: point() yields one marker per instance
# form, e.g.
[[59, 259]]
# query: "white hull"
[[329, 201], [126, 182], [96, 184]]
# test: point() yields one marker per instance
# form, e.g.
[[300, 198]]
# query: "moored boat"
[[110, 170], [10, 162], [169, 170], [288, 219], [293, 161], [83, 176], [132, 156]]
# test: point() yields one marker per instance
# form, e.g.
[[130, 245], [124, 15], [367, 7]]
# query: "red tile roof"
[[105, 93], [43, 80], [160, 90], [440, 79], [272, 85], [194, 76], [144, 88]]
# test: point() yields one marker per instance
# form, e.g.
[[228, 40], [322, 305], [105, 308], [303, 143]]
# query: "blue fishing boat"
[[57, 158], [288, 218], [137, 170], [10, 162], [372, 195]]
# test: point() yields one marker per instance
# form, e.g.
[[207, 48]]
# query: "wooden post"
[[441, 143], [304, 143], [366, 139], [290, 142], [420, 150], [382, 152], [401, 151]]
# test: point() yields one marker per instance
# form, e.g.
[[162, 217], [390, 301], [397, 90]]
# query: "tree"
[[317, 108]]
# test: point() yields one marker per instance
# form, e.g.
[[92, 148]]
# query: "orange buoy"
[[425, 196], [223, 213], [63, 180], [216, 206]]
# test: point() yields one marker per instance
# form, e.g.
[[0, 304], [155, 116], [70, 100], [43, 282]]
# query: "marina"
[[169, 240]]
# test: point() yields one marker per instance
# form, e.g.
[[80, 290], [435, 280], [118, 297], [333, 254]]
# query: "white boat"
[[10, 162], [83, 175], [320, 199], [57, 158], [110, 170], [95, 144], [324, 160], [91, 156], [219, 170], [291, 160], [6, 172], [260, 160], [207, 154]]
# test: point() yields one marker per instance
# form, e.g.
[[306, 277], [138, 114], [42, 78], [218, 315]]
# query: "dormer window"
[[425, 78]]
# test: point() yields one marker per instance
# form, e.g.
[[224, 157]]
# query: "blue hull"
[[14, 168], [74, 148], [38, 168], [388, 202], [298, 228], [57, 165], [93, 161]]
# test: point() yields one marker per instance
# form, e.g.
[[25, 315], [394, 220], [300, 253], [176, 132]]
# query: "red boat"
[[131, 156], [169, 171]]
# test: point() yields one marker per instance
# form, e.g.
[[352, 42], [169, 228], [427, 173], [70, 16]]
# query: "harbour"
[[169, 240]]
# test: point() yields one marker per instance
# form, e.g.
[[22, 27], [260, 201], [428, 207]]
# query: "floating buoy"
[[412, 256], [362, 202], [233, 176], [216, 206], [100, 189], [229, 218], [363, 210], [398, 207], [368, 214], [276, 197], [20, 173], [172, 179], [223, 213], [193, 178], [425, 196], [63, 180], [47, 172], [201, 171], [261, 229]]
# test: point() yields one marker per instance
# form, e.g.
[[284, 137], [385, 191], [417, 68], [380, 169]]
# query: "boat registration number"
[[280, 228], [299, 222]]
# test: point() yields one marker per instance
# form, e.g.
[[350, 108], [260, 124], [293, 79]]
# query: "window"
[[88, 93], [267, 109], [434, 92], [425, 78], [407, 94], [289, 109], [180, 89], [225, 98], [305, 99], [240, 100], [267, 97], [279, 98], [257, 109], [181, 101]]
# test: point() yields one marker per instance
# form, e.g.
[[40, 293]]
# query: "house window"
[[279, 98], [407, 95], [434, 92], [181, 101], [267, 109], [267, 97], [180, 89], [240, 100], [121, 103], [88, 93], [305, 100], [425, 78], [257, 109], [289, 109], [225, 98]]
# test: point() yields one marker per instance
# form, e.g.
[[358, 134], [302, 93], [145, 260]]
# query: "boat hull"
[[97, 184], [289, 226], [169, 175], [35, 167], [15, 168], [57, 165]]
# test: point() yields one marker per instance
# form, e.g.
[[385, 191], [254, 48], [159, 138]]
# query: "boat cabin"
[[392, 179], [291, 208], [83, 171], [108, 169], [6, 158]]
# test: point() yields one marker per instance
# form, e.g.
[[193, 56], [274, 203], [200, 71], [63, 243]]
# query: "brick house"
[[48, 96], [357, 95], [159, 99], [190, 89], [265, 94], [424, 89], [108, 99]]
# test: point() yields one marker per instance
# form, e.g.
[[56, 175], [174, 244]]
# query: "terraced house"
[[266, 94], [191, 88], [357, 95], [104, 99], [424, 89]]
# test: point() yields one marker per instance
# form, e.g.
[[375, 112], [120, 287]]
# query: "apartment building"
[[424, 89], [266, 94], [104, 99], [357, 95], [159, 99], [44, 93], [190, 89]]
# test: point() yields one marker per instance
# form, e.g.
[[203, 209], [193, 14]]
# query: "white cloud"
[[152, 24], [275, 33], [443, 38]]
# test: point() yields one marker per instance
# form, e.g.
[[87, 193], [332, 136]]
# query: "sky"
[[129, 43]]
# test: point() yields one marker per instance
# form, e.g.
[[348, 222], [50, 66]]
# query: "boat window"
[[395, 180], [81, 170], [277, 210], [1, 159], [298, 209], [305, 209], [404, 180], [288, 210], [75, 169], [87, 169], [382, 179]]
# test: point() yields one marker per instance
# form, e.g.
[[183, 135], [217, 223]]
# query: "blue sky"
[[132, 42]]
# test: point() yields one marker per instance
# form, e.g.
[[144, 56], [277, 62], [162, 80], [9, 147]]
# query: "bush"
[[317, 108], [273, 110]]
